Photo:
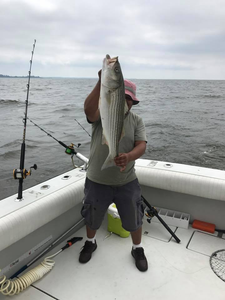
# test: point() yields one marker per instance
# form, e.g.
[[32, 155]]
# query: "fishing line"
[[69, 149], [22, 173], [83, 128]]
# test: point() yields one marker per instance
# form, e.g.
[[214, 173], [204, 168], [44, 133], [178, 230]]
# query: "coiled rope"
[[12, 287]]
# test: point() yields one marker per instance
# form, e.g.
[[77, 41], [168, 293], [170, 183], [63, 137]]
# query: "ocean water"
[[185, 123]]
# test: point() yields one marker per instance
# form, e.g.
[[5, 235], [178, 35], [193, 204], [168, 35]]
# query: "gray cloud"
[[153, 39]]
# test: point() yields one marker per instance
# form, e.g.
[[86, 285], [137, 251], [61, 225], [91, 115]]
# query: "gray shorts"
[[127, 198]]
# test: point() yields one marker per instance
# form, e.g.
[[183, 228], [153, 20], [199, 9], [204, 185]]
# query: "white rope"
[[12, 287]]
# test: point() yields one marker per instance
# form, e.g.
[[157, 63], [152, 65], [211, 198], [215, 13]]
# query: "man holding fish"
[[118, 139]]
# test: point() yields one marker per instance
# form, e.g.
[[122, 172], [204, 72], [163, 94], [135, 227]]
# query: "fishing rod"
[[151, 212], [82, 127], [22, 173], [11, 287], [69, 149]]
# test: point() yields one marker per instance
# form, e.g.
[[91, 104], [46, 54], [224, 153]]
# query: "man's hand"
[[100, 74], [122, 160]]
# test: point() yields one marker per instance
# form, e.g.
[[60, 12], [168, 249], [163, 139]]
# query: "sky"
[[154, 39]]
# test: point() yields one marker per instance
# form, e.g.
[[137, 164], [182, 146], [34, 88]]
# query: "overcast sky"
[[155, 39]]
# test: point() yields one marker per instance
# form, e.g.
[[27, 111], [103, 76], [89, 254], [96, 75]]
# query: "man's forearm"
[[91, 103], [138, 151], [92, 99]]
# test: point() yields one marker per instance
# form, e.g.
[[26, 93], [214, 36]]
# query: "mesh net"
[[217, 263]]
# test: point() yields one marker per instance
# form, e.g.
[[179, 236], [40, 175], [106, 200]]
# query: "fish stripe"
[[112, 111]]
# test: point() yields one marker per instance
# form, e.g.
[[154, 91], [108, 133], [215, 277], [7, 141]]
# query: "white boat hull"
[[49, 209]]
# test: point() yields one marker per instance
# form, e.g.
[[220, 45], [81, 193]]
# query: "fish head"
[[111, 72]]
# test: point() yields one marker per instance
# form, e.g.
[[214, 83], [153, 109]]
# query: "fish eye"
[[117, 70]]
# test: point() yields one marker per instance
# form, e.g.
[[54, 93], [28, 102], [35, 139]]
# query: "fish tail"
[[109, 162]]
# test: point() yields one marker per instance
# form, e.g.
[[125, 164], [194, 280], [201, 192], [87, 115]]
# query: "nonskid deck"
[[175, 270]]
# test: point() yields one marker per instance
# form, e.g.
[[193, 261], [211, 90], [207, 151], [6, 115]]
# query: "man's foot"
[[86, 252], [140, 259]]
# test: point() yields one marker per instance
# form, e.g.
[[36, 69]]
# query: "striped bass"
[[112, 106]]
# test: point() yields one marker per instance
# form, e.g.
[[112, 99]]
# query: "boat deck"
[[176, 271]]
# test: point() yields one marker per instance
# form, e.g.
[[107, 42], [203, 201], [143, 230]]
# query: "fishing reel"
[[70, 149], [22, 174], [150, 213]]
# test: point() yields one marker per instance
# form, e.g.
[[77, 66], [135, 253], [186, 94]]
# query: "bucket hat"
[[130, 89]]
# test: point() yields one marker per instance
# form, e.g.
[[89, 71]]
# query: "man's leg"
[[90, 232], [89, 247], [97, 199], [136, 236], [131, 211], [138, 251]]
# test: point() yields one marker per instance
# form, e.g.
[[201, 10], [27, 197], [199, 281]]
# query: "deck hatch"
[[205, 243]]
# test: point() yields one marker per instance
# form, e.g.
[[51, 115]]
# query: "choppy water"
[[185, 123]]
